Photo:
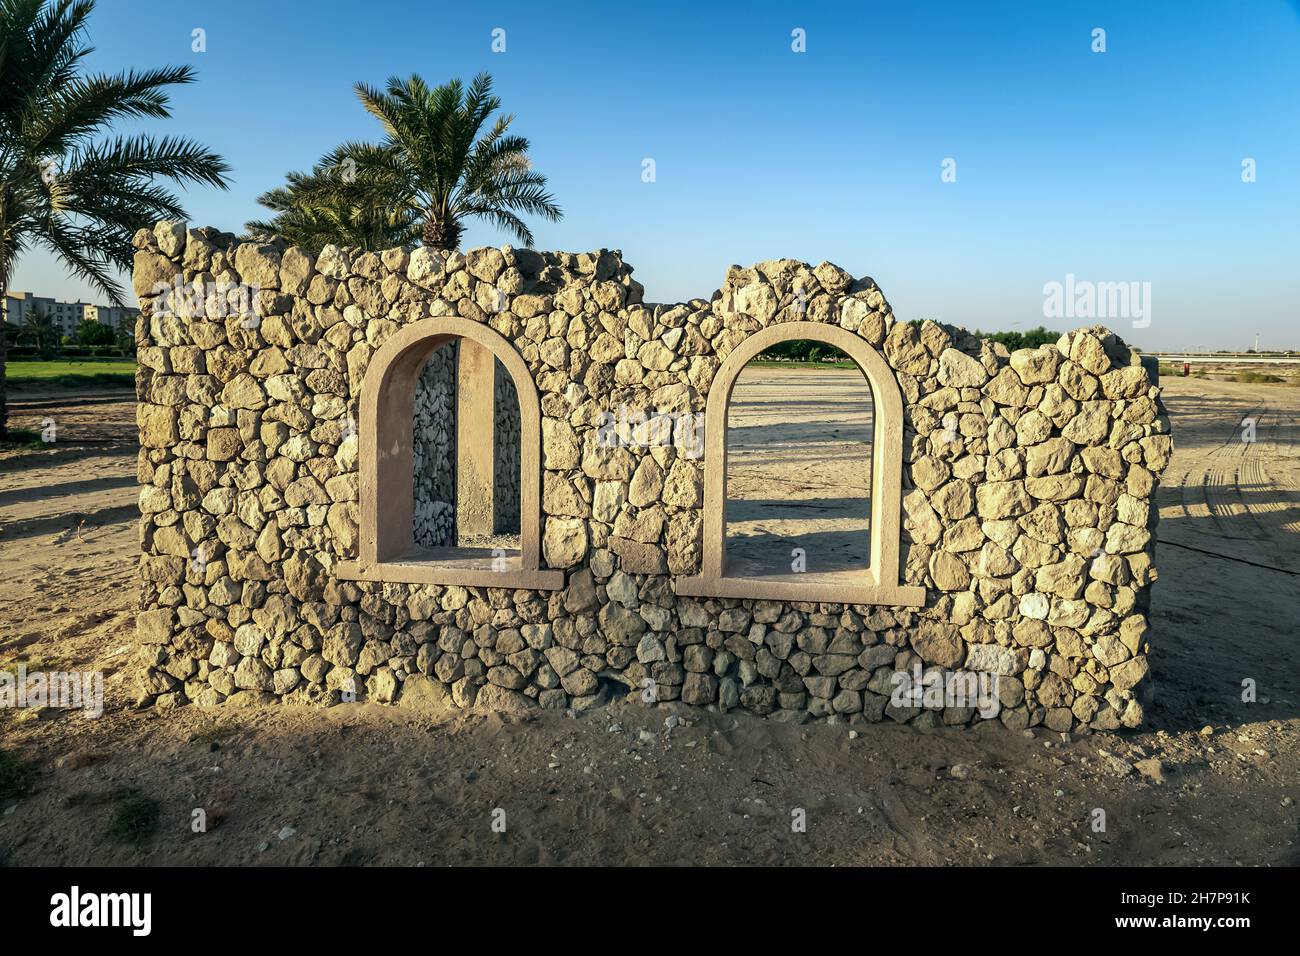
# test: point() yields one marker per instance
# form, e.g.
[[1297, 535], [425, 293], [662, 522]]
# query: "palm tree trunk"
[[4, 353], [441, 234]]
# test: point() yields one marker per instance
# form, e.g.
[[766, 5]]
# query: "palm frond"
[[91, 253], [144, 156], [83, 105], [102, 189], [505, 220]]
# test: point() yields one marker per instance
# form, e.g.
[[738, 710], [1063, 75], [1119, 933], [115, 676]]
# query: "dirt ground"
[[628, 784]]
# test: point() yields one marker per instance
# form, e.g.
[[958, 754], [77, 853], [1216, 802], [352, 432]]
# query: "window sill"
[[836, 588], [465, 567]]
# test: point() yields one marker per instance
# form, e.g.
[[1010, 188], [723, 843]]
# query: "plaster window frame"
[[879, 582], [386, 547]]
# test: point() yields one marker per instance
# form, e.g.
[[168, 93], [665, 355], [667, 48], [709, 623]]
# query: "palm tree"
[[62, 187], [39, 327], [320, 207], [124, 338], [434, 165]]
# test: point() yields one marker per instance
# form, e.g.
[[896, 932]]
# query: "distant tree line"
[[804, 350], [39, 337], [810, 350], [1029, 339]]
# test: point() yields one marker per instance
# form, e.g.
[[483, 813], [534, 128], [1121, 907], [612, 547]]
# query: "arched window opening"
[[799, 443], [449, 445], [846, 577]]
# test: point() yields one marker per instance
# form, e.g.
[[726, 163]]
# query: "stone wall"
[[505, 449], [434, 452], [1027, 490]]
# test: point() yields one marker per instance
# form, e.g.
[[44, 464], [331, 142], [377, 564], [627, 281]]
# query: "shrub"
[[135, 817]]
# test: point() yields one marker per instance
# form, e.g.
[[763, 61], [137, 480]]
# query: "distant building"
[[114, 316], [66, 315], [19, 305]]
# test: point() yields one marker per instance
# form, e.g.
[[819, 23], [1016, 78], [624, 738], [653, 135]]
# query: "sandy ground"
[[359, 784], [798, 471]]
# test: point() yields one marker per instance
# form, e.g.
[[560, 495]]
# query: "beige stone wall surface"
[[1026, 498]]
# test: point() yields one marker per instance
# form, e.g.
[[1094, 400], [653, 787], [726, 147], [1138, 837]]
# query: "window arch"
[[876, 584], [386, 546]]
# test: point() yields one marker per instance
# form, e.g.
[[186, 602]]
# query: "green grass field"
[[71, 373]]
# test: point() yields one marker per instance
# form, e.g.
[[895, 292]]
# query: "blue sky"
[[1122, 166]]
